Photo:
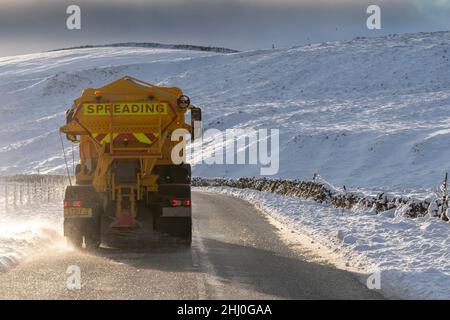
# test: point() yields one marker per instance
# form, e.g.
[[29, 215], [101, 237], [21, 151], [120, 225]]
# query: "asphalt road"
[[236, 254]]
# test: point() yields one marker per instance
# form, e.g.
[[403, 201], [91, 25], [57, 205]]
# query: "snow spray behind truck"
[[126, 182]]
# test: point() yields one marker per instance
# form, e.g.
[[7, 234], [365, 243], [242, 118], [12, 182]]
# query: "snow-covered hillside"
[[369, 113]]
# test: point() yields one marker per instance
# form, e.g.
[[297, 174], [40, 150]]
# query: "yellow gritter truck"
[[127, 186]]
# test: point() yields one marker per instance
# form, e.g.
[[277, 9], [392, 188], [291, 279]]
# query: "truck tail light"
[[175, 203], [68, 204], [186, 203], [180, 203]]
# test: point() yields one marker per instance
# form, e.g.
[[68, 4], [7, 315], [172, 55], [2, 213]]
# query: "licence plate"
[[78, 212]]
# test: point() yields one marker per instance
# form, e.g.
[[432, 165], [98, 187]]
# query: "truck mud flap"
[[181, 212]]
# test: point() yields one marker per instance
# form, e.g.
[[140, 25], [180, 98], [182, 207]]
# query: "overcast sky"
[[38, 25]]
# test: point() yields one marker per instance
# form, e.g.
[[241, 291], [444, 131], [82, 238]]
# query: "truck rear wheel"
[[87, 230], [180, 228], [92, 241], [76, 240]]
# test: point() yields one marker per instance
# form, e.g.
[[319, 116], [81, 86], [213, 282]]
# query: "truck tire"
[[178, 227], [92, 242], [75, 240]]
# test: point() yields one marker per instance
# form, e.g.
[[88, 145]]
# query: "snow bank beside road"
[[30, 224], [20, 241], [412, 254]]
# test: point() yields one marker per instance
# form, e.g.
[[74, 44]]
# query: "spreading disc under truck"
[[127, 184]]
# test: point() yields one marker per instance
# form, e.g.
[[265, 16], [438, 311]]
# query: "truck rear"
[[127, 182]]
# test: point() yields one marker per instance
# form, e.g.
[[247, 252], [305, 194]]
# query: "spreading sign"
[[125, 109]]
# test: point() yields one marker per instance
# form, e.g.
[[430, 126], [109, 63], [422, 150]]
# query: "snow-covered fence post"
[[15, 195], [21, 194], [28, 193], [35, 196], [42, 191], [6, 194], [48, 191], [443, 188]]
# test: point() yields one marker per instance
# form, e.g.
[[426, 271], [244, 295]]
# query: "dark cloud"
[[40, 25]]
